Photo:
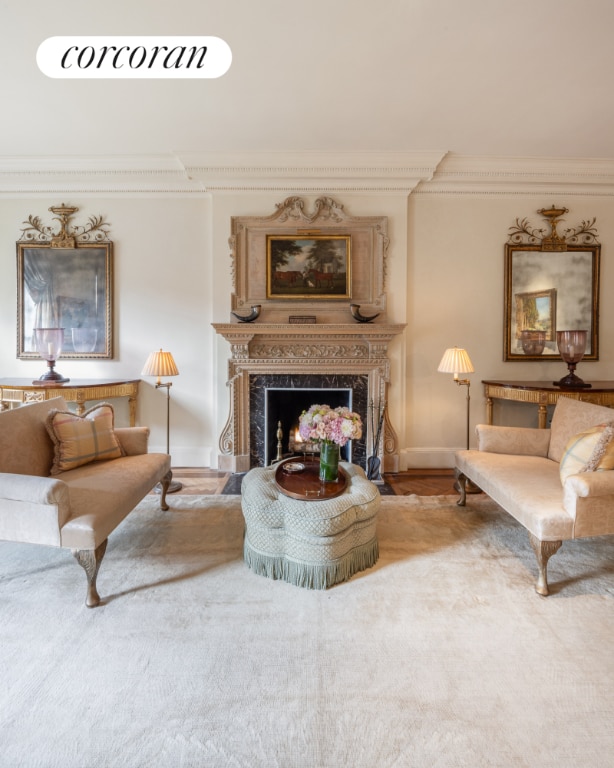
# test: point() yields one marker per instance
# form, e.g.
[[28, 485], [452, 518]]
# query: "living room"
[[453, 120]]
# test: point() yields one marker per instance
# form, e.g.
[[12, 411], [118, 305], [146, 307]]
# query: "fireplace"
[[282, 398], [305, 339], [352, 367]]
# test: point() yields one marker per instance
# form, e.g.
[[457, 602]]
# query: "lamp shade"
[[49, 342], [160, 364], [455, 361]]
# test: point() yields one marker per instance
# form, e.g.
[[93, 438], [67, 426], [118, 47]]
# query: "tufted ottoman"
[[312, 544]]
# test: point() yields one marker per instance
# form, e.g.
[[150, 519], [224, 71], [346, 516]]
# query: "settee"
[[557, 482], [65, 492]]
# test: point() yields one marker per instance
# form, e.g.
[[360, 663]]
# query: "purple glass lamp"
[[49, 342], [572, 345]]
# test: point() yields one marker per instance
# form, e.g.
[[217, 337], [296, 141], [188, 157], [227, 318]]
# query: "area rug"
[[441, 655]]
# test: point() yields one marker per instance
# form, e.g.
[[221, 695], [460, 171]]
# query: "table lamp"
[[49, 342], [162, 364], [572, 346]]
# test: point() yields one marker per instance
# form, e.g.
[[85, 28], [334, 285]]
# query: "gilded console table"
[[79, 391], [543, 394]]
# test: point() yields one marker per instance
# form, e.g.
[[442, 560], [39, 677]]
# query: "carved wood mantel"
[[329, 346], [322, 348]]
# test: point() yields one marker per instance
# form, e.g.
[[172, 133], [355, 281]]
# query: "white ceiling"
[[521, 78]]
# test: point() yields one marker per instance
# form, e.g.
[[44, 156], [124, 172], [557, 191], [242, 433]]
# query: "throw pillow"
[[589, 451], [80, 440]]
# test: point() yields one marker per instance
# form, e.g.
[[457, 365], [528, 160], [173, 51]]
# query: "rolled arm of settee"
[[588, 484], [589, 498], [33, 489], [133, 439], [519, 441]]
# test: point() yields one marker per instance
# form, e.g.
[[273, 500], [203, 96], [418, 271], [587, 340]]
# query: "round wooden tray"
[[306, 484]]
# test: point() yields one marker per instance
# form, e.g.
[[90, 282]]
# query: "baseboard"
[[427, 458]]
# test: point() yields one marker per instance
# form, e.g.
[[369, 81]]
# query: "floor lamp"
[[457, 361], [162, 364]]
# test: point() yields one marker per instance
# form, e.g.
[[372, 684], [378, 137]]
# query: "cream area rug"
[[440, 655]]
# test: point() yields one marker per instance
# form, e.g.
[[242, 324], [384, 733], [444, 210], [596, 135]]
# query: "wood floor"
[[422, 482]]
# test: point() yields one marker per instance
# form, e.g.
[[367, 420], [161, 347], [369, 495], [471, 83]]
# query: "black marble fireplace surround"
[[301, 390]]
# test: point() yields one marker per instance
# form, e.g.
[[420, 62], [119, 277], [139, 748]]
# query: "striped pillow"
[[80, 440], [589, 451]]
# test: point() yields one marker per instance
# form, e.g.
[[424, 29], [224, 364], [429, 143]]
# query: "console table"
[[79, 391], [543, 394]]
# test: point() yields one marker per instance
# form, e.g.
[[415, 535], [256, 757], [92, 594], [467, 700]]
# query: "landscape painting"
[[315, 267]]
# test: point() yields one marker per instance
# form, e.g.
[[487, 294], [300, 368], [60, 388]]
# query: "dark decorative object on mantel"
[[356, 314], [253, 315]]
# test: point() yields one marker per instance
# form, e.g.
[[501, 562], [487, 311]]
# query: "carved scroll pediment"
[[293, 208], [523, 232]]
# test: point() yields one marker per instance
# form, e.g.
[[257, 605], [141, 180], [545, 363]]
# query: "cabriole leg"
[[543, 552], [89, 560], [164, 484], [461, 486]]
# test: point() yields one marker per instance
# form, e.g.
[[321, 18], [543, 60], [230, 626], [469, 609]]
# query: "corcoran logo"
[[133, 57]]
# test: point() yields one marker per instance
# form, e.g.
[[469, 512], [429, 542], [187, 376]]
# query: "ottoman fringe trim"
[[310, 575]]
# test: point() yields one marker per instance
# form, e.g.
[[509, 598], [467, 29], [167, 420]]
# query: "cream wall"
[[445, 280], [162, 298], [456, 297]]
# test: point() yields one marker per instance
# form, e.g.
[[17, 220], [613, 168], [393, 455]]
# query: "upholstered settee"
[[558, 482], [69, 481]]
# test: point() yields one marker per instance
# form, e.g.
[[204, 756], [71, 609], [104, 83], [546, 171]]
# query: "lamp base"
[[51, 377], [571, 381]]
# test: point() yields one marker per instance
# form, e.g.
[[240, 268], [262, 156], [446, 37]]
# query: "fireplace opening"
[[283, 397], [283, 408]]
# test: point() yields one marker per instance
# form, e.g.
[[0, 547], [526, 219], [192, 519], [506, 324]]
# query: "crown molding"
[[111, 174], [312, 171], [479, 175], [193, 174]]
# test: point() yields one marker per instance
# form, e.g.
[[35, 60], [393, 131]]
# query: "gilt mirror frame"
[[551, 284], [65, 280]]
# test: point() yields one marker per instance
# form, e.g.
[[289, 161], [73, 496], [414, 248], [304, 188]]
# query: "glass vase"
[[329, 462]]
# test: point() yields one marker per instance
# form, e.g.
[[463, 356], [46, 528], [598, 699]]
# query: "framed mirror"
[[551, 284], [65, 280]]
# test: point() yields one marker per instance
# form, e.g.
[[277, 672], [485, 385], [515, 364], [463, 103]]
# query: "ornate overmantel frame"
[[369, 246]]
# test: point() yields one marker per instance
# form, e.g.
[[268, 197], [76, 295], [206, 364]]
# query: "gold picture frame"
[[308, 267]]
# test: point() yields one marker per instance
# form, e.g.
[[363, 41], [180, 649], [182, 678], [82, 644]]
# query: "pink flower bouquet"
[[321, 423]]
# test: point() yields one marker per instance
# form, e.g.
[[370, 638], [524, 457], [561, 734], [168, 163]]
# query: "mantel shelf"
[[233, 331]]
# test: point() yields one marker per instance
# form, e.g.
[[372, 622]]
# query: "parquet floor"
[[422, 482]]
